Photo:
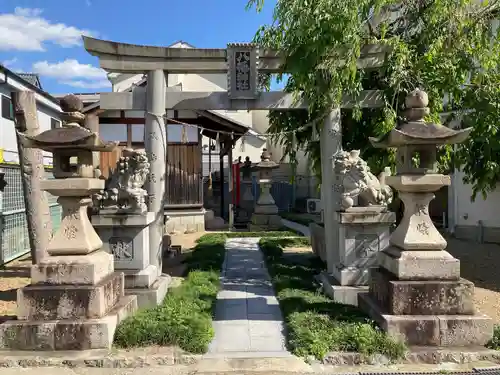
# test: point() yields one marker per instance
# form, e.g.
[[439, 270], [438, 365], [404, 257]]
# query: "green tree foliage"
[[445, 47]]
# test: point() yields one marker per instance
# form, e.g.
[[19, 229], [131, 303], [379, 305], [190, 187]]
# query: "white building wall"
[[467, 217], [261, 124], [46, 110]]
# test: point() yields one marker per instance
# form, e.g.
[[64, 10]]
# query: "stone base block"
[[409, 297], [140, 278], [46, 302], [152, 296], [267, 221], [351, 276], [217, 223], [68, 269], [126, 236], [431, 330], [185, 221], [348, 295], [420, 264], [270, 209], [66, 334]]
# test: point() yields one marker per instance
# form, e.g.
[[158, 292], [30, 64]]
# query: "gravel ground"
[[13, 276], [479, 264]]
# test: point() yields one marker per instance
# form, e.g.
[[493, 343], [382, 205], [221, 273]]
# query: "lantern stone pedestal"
[[362, 227], [417, 294], [126, 237], [123, 222], [363, 233], [75, 299], [265, 214]]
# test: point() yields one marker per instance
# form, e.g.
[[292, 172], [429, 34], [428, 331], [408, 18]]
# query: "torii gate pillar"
[[330, 143], [155, 143]]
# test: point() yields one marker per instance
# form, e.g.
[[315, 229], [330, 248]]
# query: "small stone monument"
[[75, 299], [245, 208], [265, 216], [363, 226], [417, 294], [122, 222]]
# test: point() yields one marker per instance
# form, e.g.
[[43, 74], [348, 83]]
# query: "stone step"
[[46, 302], [431, 330], [152, 296], [417, 297], [67, 334]]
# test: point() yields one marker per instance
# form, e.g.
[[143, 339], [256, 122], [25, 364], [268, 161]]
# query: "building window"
[[7, 108], [55, 123]]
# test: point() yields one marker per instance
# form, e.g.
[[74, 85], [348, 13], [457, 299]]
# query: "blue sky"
[[43, 36]]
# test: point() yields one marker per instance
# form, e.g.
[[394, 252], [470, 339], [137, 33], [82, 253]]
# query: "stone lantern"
[[265, 215], [75, 299], [417, 294]]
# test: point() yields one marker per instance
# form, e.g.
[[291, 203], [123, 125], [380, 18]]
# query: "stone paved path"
[[297, 227], [248, 319]]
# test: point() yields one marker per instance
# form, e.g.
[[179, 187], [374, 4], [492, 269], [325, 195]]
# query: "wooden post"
[[231, 187], [221, 178], [32, 171]]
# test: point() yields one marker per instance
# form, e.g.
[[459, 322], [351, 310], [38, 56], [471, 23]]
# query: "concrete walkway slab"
[[247, 318]]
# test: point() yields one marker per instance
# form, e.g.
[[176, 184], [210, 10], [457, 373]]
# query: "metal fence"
[[13, 225]]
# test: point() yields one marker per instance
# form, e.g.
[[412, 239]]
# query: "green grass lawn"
[[316, 325], [184, 318]]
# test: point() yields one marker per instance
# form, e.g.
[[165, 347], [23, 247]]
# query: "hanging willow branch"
[[438, 46]]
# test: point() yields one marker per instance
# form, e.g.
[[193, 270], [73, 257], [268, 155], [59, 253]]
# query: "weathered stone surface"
[[48, 302], [69, 269], [76, 236], [351, 275], [420, 264], [140, 279], [431, 330], [361, 236], [359, 187], [271, 209], [126, 237], [421, 297], [366, 215], [344, 294], [318, 240], [261, 222], [153, 295], [66, 334]]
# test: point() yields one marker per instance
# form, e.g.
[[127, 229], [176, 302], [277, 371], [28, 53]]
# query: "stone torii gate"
[[242, 63]]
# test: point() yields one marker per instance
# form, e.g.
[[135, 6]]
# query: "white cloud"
[[69, 68], [9, 63], [27, 30], [88, 84], [71, 72]]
